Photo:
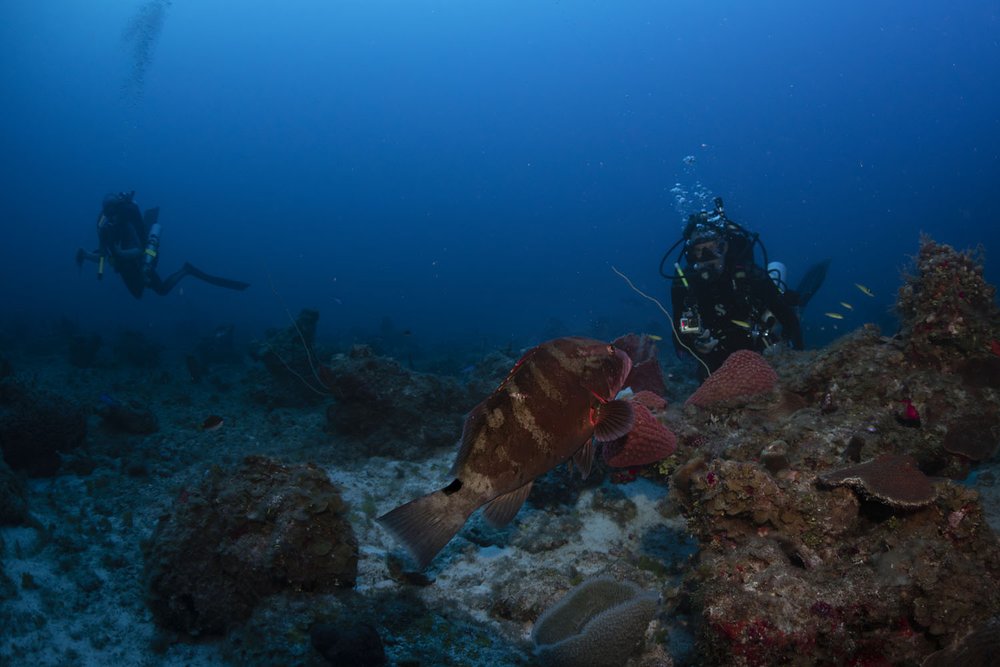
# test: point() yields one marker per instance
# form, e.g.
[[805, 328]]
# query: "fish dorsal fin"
[[516, 367], [612, 420], [469, 430], [584, 458], [501, 510]]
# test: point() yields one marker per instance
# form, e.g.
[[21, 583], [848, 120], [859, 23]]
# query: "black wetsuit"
[[123, 232], [739, 308]]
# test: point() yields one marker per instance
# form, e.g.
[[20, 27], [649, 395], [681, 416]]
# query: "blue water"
[[472, 170]]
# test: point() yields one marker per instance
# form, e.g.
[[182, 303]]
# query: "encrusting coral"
[[891, 479]]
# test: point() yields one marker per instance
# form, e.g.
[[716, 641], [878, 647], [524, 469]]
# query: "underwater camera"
[[690, 323]]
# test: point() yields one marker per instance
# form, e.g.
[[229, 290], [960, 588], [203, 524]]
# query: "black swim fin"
[[811, 282], [214, 280]]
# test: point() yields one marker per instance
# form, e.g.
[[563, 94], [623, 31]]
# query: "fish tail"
[[427, 524]]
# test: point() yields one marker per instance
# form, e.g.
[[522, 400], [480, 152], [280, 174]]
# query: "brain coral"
[[596, 624], [744, 373], [242, 535]]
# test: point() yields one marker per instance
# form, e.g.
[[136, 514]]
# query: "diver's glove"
[[81, 255]]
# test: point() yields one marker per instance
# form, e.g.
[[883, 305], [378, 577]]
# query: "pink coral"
[[744, 373], [648, 442], [654, 402]]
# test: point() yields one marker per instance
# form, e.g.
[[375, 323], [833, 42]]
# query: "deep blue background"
[[473, 169]]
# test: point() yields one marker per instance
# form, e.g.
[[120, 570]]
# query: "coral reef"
[[743, 374], [979, 647], [974, 438], [216, 349], [36, 426], [947, 308], [384, 409], [133, 348], [599, 623], [13, 501], [794, 567], [239, 537], [289, 355], [83, 349], [219, 347], [785, 571], [348, 643], [128, 416], [843, 516]]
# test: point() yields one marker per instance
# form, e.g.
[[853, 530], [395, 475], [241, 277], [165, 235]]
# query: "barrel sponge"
[[597, 623]]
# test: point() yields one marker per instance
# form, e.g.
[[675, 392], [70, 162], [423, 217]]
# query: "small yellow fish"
[[846, 305], [654, 337], [834, 316], [741, 323], [864, 290]]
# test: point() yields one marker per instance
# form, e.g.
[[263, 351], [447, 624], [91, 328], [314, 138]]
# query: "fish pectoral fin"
[[612, 420], [501, 510], [584, 458]]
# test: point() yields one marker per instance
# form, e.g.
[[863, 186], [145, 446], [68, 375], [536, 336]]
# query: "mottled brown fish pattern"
[[553, 404]]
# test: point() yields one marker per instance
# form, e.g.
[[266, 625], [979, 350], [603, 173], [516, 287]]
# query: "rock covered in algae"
[[242, 535], [946, 305]]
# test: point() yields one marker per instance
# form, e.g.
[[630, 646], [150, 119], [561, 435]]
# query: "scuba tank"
[[152, 247]]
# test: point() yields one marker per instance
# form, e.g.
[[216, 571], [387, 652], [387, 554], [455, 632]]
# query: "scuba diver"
[[722, 299], [130, 242]]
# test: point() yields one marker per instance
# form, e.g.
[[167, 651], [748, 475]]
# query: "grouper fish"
[[557, 400]]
